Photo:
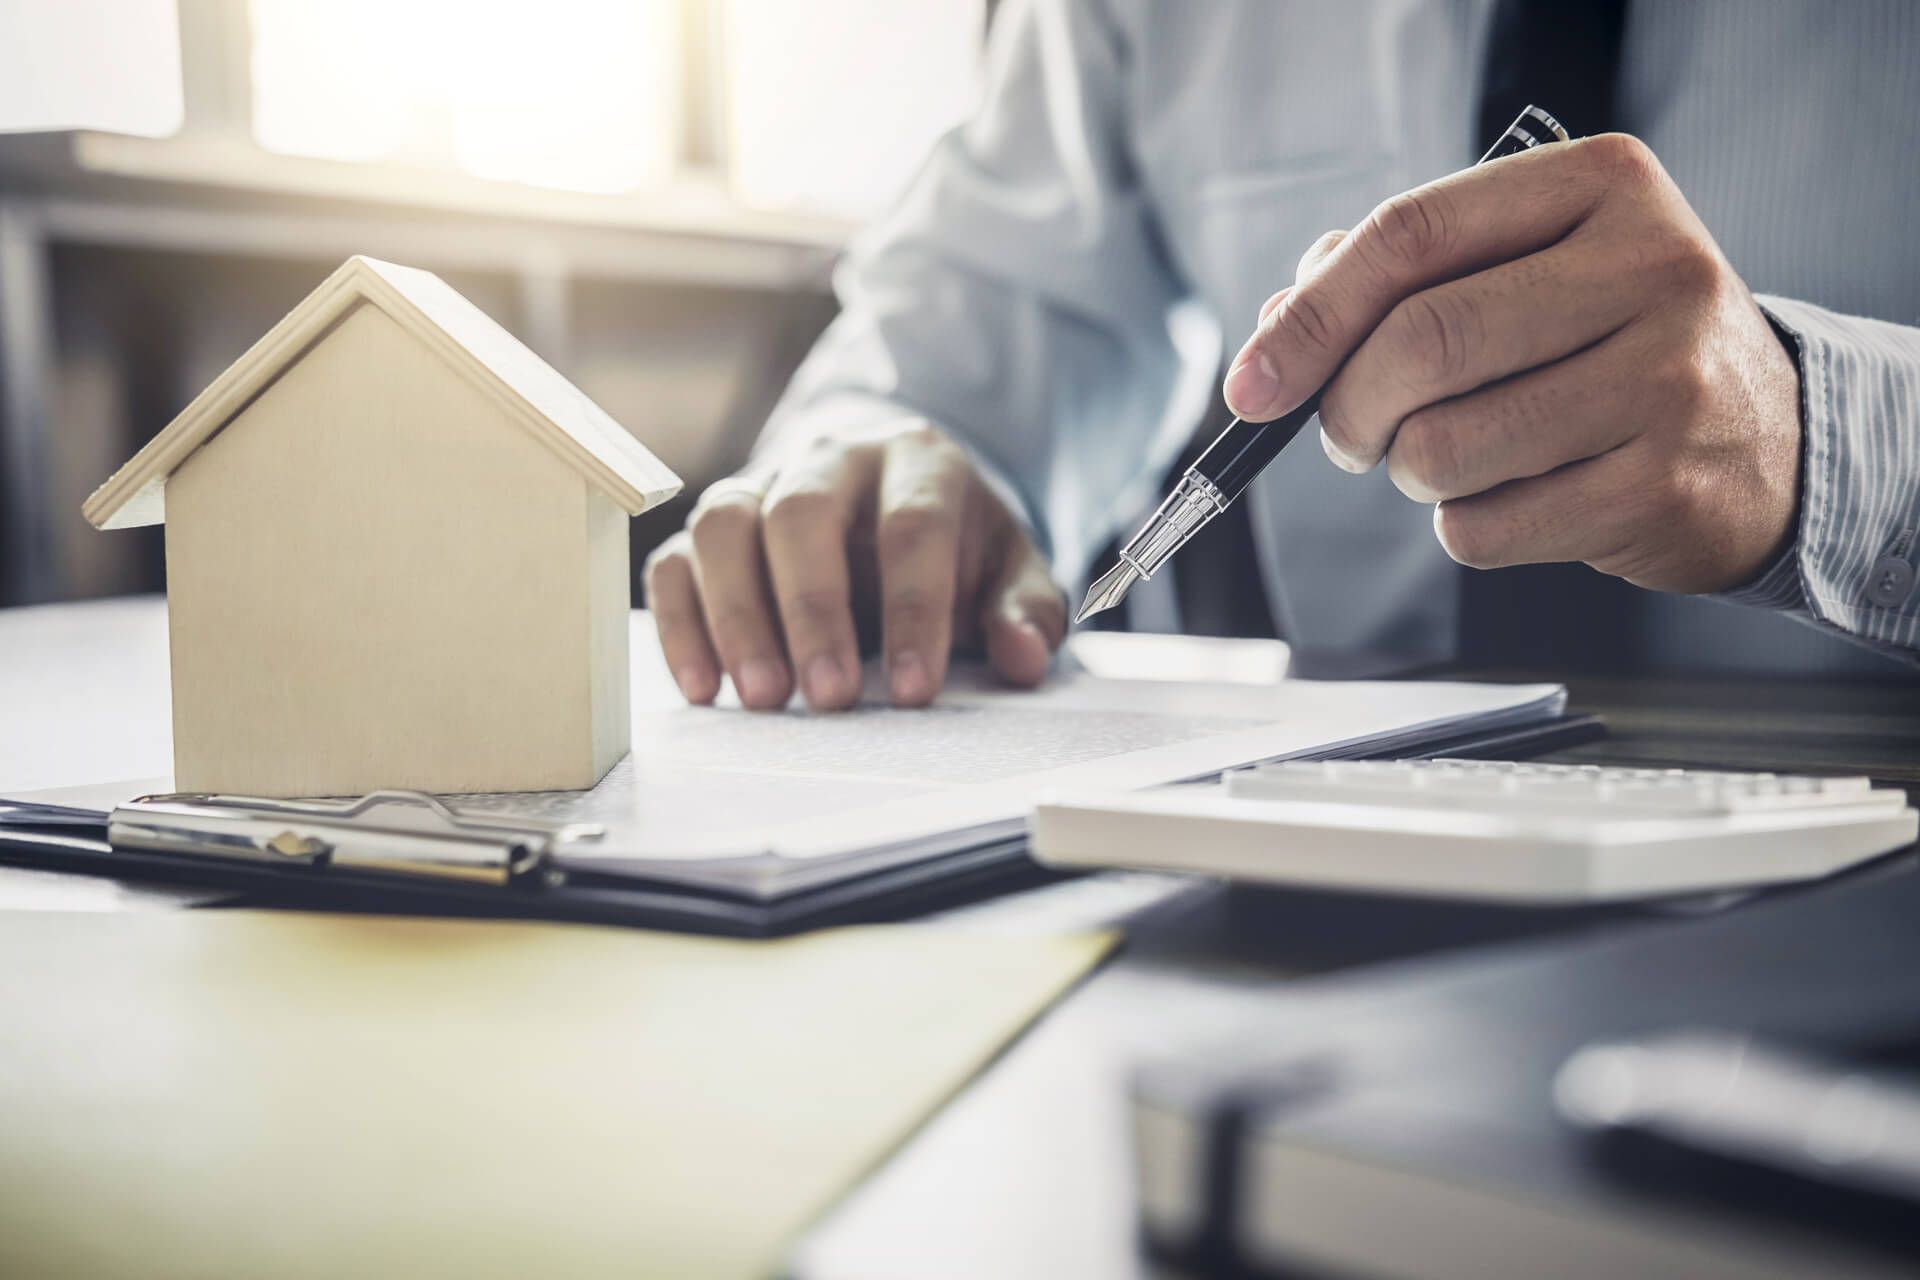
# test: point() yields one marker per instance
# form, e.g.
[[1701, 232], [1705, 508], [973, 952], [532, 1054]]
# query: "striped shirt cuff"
[[1853, 560], [1778, 587]]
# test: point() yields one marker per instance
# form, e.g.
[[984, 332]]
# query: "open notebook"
[[759, 806]]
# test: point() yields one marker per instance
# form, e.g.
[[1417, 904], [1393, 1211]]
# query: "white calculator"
[[1485, 830]]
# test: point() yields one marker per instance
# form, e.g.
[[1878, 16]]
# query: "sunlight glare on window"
[[576, 94], [832, 104], [90, 64]]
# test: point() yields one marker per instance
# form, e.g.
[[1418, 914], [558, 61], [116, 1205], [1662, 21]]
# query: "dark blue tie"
[[1563, 55]]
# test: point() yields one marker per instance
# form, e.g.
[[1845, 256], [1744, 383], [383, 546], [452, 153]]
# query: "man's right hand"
[[782, 570]]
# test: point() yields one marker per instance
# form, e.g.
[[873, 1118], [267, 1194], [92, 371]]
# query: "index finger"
[[923, 491], [807, 516], [1458, 225]]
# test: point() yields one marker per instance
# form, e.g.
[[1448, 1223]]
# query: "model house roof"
[[531, 391]]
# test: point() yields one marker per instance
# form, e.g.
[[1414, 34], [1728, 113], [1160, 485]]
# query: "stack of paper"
[[768, 804], [759, 806]]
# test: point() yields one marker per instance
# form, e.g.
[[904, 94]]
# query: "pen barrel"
[[1244, 449], [1533, 127]]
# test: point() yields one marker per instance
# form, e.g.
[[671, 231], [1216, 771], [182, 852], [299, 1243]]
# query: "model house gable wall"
[[373, 561]]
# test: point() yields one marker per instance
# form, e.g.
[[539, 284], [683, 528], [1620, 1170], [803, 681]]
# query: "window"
[[90, 64], [823, 106], [576, 94], [832, 104]]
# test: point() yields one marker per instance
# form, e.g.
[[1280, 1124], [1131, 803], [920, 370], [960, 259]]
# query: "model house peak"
[[531, 392]]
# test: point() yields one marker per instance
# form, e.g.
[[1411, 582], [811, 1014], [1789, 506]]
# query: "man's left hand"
[[1552, 349]]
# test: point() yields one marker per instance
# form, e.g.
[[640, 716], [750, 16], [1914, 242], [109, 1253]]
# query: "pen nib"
[[1108, 590]]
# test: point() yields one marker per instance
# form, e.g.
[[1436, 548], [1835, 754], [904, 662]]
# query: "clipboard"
[[348, 856], [399, 852]]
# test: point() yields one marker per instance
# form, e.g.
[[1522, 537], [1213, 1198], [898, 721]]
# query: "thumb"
[[1023, 616], [1309, 263], [1266, 308]]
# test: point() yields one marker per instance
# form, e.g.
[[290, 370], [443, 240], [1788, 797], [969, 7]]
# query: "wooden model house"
[[396, 554]]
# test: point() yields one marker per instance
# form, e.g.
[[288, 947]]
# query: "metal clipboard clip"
[[404, 833]]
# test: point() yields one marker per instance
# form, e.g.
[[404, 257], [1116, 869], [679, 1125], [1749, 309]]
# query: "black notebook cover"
[[1403, 1122]]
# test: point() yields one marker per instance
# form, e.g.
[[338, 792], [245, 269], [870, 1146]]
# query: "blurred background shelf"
[[699, 206], [652, 194]]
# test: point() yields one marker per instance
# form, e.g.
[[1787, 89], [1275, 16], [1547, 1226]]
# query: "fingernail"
[[693, 681], [825, 679], [909, 678], [759, 682], [1253, 386]]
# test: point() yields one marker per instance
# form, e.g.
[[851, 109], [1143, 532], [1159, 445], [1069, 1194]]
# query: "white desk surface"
[[85, 692], [1027, 1172]]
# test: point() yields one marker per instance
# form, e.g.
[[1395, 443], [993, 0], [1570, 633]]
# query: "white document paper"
[[770, 801], [763, 803]]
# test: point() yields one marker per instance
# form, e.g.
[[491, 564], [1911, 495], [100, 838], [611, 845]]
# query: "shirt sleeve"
[[1851, 568], [1019, 297]]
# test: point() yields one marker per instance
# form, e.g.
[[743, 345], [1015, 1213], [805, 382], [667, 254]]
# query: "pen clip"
[[404, 833]]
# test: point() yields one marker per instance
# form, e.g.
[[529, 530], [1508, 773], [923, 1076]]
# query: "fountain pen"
[[1243, 450]]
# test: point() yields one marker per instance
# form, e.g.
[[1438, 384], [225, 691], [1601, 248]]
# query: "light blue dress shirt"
[[1058, 285]]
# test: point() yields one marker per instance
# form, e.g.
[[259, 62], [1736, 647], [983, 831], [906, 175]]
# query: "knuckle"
[[912, 609], [722, 517], [1688, 388], [1308, 318], [1426, 457], [1627, 160], [792, 511], [1412, 229], [910, 527], [816, 608], [1693, 265], [920, 434], [738, 626], [1268, 307], [1436, 334], [1319, 249], [1676, 260]]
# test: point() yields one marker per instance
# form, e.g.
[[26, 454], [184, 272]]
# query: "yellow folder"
[[240, 1094]]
